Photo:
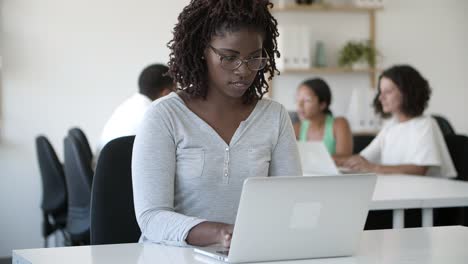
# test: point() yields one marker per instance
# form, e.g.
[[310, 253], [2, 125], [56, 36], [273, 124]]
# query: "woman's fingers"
[[227, 240], [226, 235]]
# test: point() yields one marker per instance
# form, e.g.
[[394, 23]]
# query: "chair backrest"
[[54, 190], [294, 116], [360, 142], [78, 176], [112, 212], [444, 125], [83, 140], [54, 202], [458, 148]]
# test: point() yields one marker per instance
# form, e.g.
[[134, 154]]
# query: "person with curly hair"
[[196, 146], [410, 142]]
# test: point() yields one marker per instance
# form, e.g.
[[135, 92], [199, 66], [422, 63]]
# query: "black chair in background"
[[86, 156], [79, 176], [113, 217], [54, 191], [360, 142], [458, 148], [444, 125], [83, 140]]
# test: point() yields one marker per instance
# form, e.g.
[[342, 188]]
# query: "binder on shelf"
[[360, 112], [286, 47], [304, 48], [294, 46]]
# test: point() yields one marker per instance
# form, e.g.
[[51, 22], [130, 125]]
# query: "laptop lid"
[[284, 218], [315, 159]]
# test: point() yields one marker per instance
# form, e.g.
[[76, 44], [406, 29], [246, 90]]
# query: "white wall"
[[66, 63], [70, 63]]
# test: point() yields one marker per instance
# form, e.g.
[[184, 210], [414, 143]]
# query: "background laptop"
[[317, 161], [282, 218]]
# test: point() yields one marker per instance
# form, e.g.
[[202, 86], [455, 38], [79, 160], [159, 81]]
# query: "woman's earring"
[[203, 57]]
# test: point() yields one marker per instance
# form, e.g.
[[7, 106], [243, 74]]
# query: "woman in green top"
[[317, 122]]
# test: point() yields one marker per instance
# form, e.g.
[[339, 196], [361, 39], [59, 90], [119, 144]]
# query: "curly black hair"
[[414, 88], [203, 19]]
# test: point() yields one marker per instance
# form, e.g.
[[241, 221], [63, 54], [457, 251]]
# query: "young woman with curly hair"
[[196, 147], [410, 143]]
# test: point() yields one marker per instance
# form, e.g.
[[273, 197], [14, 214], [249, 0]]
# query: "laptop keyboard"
[[223, 252]]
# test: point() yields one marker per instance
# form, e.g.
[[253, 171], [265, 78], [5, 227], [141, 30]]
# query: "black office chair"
[[54, 191], [78, 175], [113, 217], [458, 148], [86, 155], [360, 142], [444, 125], [83, 140]]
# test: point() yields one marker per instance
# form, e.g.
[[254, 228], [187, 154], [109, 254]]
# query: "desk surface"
[[436, 245], [406, 192]]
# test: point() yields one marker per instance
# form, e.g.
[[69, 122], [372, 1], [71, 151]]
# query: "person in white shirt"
[[153, 83], [410, 143]]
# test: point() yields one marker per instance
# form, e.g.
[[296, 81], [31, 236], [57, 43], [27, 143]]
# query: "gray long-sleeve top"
[[184, 173]]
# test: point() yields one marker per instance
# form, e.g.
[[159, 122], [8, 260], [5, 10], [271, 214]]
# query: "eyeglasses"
[[233, 62]]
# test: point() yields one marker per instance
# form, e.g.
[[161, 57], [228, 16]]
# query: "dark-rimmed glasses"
[[233, 62]]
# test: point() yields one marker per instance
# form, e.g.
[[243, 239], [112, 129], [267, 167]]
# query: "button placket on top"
[[226, 165]]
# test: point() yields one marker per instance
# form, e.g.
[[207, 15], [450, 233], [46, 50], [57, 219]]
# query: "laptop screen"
[[315, 159]]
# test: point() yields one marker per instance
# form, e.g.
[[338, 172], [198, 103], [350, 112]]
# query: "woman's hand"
[[340, 160], [208, 233], [358, 163], [225, 235]]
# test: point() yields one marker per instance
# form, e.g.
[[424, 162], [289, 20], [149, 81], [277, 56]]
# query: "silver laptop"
[[317, 161], [285, 218]]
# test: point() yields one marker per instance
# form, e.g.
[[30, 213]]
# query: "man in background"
[[153, 84]]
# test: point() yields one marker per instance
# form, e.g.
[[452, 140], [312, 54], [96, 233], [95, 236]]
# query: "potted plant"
[[357, 54]]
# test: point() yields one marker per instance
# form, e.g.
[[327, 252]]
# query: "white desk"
[[436, 245], [399, 192]]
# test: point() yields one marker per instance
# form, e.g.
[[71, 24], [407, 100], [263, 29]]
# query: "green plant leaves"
[[357, 51]]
